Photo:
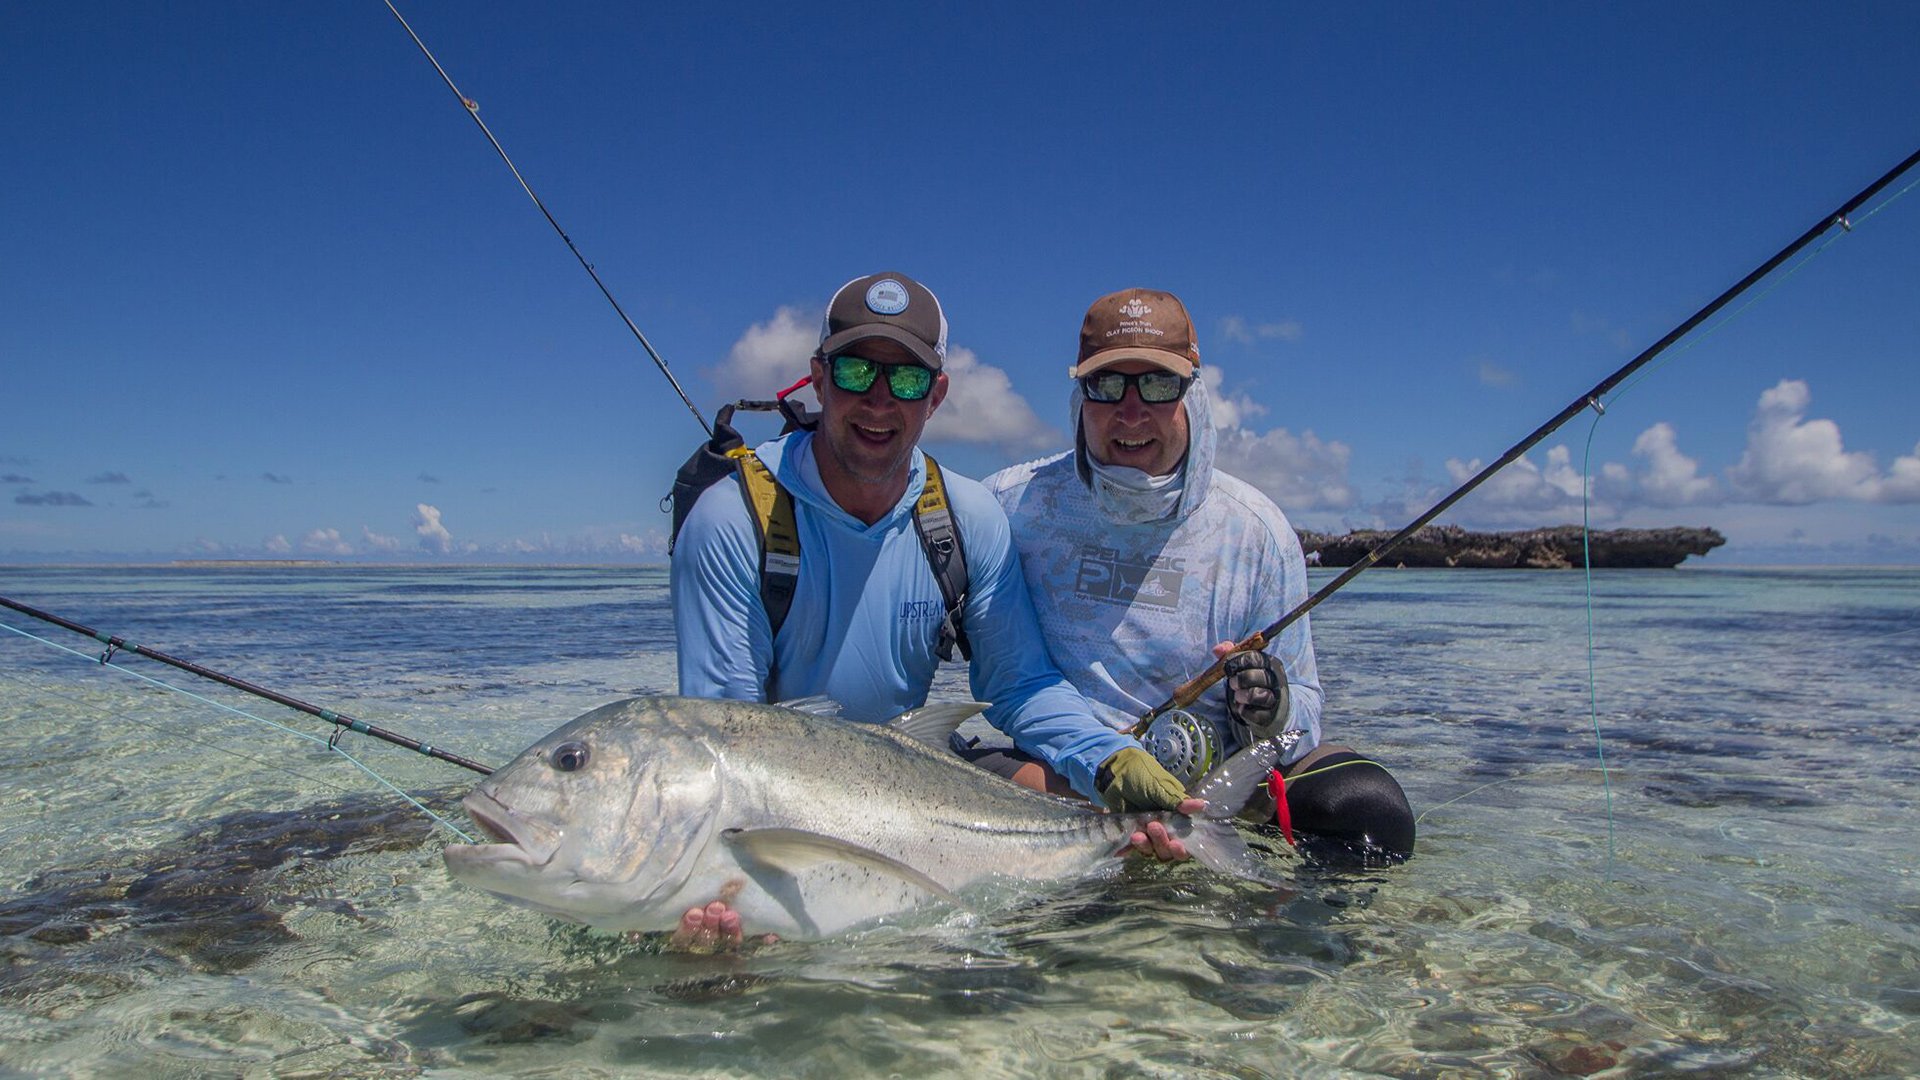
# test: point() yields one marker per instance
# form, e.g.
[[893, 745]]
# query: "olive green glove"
[[1133, 780]]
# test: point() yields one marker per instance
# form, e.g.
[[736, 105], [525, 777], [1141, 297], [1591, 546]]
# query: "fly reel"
[[1185, 745]]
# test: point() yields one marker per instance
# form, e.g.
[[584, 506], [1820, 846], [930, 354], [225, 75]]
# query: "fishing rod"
[[341, 720], [473, 110], [1190, 691]]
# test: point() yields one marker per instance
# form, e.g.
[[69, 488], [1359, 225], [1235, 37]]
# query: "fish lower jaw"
[[494, 854], [520, 838]]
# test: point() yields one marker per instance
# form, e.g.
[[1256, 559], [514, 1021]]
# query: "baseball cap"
[[891, 306], [1137, 324]]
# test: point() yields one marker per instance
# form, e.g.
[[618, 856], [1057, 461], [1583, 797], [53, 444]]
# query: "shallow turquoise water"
[[1748, 908]]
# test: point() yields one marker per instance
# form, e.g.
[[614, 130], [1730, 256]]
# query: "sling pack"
[[771, 507]]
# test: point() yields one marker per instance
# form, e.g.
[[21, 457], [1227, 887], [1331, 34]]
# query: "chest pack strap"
[[772, 510], [933, 520]]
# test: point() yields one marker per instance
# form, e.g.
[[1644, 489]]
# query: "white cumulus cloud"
[[1672, 478], [1524, 486], [1902, 484], [981, 404], [1789, 460], [1298, 472], [983, 407], [1792, 460], [1230, 411], [325, 542], [434, 536], [653, 543], [770, 355]]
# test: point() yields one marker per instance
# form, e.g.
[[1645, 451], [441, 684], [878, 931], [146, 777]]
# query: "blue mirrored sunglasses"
[[1155, 387], [856, 375]]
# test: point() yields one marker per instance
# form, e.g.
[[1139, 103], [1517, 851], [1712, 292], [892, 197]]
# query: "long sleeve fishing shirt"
[[1131, 609], [866, 614]]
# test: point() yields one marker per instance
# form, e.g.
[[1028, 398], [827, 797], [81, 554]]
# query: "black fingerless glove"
[[1256, 696]]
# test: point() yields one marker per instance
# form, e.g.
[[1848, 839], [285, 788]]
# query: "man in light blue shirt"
[[863, 627]]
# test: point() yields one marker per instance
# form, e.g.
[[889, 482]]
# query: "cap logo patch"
[[887, 297], [1134, 309]]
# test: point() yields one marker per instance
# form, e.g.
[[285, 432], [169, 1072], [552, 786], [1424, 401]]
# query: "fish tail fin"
[[1212, 838], [1228, 787], [1218, 847]]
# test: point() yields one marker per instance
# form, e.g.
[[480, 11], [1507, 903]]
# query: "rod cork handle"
[[1189, 692]]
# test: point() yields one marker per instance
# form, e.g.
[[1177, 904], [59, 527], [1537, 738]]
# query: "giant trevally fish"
[[632, 813]]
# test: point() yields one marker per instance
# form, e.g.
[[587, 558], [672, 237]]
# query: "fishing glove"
[[1133, 780], [1256, 696]]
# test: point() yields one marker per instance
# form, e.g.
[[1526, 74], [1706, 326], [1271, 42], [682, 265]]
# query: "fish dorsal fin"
[[931, 724], [794, 850], [817, 705]]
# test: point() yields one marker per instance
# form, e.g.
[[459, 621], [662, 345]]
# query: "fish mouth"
[[518, 837]]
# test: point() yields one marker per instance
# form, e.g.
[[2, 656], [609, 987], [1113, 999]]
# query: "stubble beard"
[[863, 469]]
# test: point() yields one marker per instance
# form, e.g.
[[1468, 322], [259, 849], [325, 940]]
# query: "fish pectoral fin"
[[932, 724], [793, 850]]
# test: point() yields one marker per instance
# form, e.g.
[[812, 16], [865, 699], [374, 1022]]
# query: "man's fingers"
[[707, 929], [1156, 841], [692, 933], [1165, 847], [727, 928]]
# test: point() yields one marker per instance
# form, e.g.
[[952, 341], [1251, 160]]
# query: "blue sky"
[[269, 293]]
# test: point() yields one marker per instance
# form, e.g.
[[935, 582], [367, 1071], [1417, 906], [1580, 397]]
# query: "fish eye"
[[569, 756]]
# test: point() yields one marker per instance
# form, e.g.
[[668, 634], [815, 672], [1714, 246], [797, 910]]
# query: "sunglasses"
[[1155, 387], [856, 375]]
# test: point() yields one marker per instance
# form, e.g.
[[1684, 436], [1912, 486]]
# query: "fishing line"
[[338, 719], [1189, 692], [1530, 774], [1586, 471], [1586, 565], [473, 110], [1490, 784], [1846, 226], [330, 744], [183, 736]]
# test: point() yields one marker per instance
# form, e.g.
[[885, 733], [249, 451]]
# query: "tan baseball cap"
[[1137, 324]]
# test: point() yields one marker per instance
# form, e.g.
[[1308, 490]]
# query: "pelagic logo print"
[[1106, 575]]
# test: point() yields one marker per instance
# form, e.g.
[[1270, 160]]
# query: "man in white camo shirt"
[[1141, 557]]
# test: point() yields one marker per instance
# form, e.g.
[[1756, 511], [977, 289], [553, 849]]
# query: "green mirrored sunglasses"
[[856, 375]]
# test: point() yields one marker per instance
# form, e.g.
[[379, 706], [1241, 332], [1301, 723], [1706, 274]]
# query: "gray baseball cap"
[[891, 306]]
